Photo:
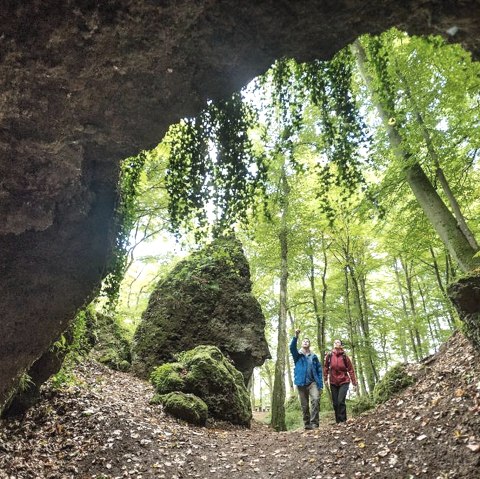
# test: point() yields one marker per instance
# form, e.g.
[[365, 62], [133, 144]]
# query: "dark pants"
[[309, 394], [339, 394]]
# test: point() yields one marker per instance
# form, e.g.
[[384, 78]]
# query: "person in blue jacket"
[[308, 379]]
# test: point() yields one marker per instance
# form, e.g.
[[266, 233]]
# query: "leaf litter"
[[105, 428]]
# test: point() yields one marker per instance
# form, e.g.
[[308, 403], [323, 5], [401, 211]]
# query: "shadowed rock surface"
[[465, 295], [84, 84], [206, 299]]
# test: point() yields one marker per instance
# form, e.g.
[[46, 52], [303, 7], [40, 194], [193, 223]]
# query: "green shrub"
[[361, 404], [394, 381]]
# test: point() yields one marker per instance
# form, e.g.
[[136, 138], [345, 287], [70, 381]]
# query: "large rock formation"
[[206, 299], [85, 83]]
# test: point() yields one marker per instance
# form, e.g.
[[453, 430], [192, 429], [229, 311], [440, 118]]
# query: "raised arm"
[[293, 346]]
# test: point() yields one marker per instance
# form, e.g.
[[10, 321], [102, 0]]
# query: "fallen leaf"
[[474, 447]]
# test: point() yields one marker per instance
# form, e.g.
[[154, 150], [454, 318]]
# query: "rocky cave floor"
[[106, 428]]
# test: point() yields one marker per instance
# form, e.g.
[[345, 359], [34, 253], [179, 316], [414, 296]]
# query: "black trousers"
[[339, 395]]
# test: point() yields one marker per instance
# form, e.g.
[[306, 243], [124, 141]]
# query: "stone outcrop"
[[205, 373], [111, 344], [205, 299], [465, 295], [86, 83]]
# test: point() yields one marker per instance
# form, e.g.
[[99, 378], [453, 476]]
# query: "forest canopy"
[[353, 185]]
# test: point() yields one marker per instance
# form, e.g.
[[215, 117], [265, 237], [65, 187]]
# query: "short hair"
[[306, 339]]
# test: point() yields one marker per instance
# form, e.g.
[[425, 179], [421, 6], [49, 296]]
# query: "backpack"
[[328, 359]]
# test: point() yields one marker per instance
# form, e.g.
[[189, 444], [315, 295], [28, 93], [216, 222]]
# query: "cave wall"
[[86, 83]]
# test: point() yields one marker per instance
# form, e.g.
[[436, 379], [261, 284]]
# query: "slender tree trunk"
[[448, 303], [405, 313], [372, 356], [353, 335], [367, 349], [431, 327], [324, 297], [291, 387], [413, 309], [319, 318], [432, 205], [278, 396]]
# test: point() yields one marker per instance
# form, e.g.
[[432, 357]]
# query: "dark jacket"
[[338, 368], [301, 366]]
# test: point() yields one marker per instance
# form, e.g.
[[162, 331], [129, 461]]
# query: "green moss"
[[168, 378], [361, 404], [206, 373], [394, 381], [184, 406]]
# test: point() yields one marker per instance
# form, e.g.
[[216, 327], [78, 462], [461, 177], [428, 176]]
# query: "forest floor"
[[106, 428]]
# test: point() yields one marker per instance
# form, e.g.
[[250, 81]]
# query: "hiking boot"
[[308, 427]]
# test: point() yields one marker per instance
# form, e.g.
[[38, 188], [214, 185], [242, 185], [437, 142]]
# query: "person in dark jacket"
[[338, 371], [308, 379]]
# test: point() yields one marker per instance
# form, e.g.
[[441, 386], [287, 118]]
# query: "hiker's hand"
[[297, 332], [354, 389]]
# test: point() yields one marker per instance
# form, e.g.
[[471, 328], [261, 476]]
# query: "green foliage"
[[361, 404], [394, 381], [188, 407], [125, 217], [112, 344], [25, 382], [212, 162], [74, 345]]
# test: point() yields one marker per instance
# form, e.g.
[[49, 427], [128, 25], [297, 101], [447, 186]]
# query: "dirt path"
[[107, 429]]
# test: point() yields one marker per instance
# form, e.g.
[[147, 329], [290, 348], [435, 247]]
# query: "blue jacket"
[[301, 364]]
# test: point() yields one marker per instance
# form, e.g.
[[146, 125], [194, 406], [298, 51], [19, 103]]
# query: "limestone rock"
[[112, 346], [465, 295], [206, 373], [206, 299], [188, 407]]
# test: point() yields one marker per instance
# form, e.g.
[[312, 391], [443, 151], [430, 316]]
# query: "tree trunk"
[[353, 336], [319, 318], [278, 396], [455, 207], [432, 205], [414, 318], [405, 312]]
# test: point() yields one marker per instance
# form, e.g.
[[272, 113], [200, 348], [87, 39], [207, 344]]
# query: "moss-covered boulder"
[[112, 345], [206, 299], [465, 295], [209, 375], [188, 407], [394, 381]]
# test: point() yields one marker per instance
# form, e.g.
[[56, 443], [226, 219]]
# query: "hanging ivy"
[[213, 168], [125, 216], [343, 129]]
